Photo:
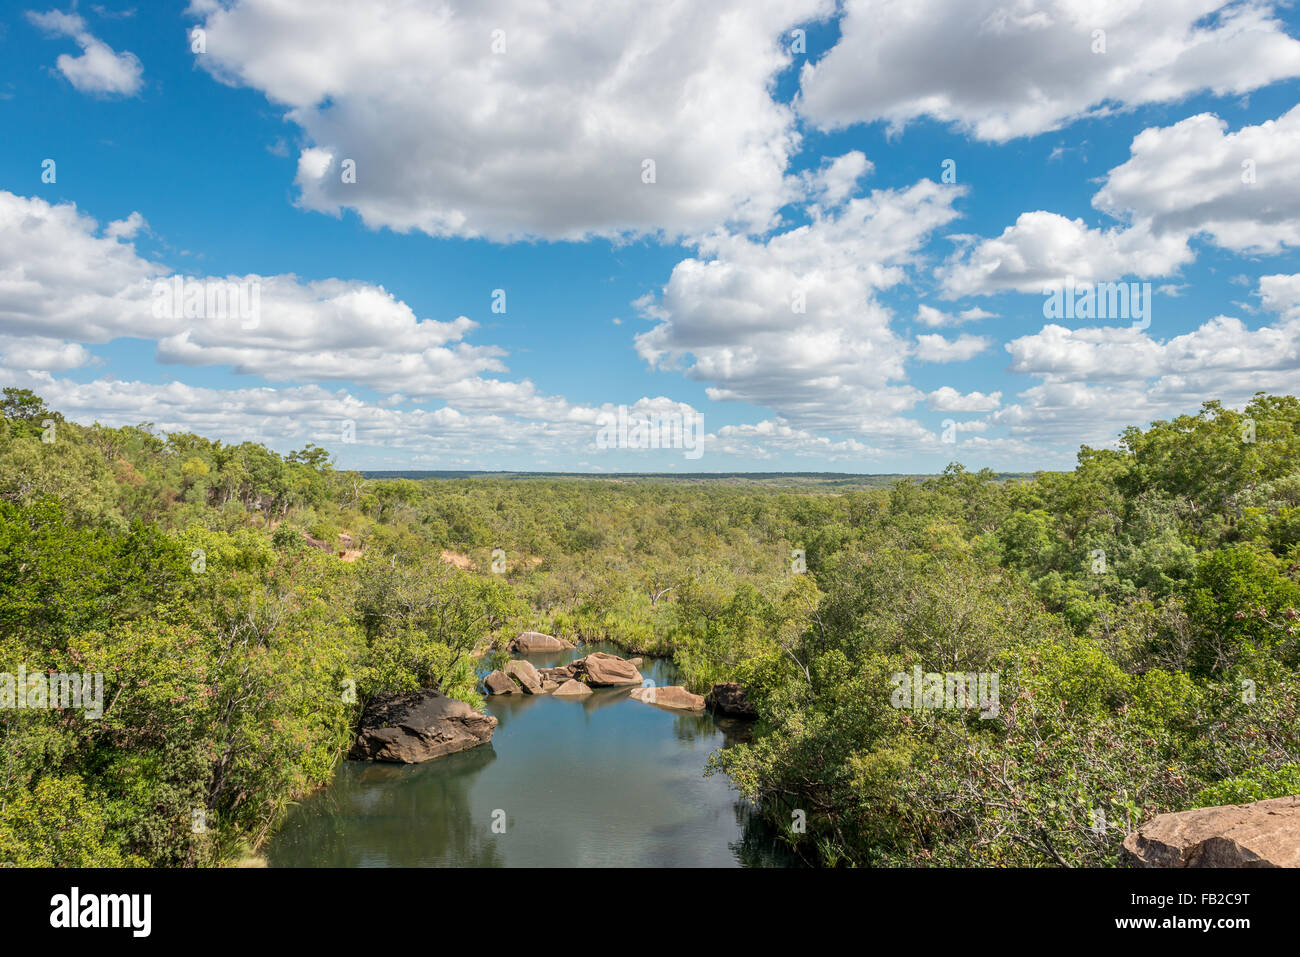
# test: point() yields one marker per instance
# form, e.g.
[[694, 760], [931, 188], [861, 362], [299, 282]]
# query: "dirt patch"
[[456, 558]]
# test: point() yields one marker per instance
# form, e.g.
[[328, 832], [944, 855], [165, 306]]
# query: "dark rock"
[[728, 698], [418, 726]]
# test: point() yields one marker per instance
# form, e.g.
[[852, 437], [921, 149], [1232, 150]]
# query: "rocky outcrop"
[[498, 682], [526, 675], [418, 726], [559, 675], [534, 642], [1263, 834], [728, 699], [571, 689], [669, 696], [602, 670]]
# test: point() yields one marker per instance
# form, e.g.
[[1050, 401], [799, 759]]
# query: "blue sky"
[[501, 147]]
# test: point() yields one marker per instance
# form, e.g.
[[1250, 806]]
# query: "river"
[[593, 782]]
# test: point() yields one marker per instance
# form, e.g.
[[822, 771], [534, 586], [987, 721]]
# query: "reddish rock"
[[571, 689], [1263, 834], [603, 670], [498, 682], [669, 696], [534, 642], [524, 673]]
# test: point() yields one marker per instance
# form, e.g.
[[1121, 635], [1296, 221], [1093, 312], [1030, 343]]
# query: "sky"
[[813, 236]]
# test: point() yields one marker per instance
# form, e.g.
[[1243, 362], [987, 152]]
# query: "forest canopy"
[[1139, 613]]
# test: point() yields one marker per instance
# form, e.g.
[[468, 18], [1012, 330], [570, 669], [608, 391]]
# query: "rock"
[[669, 696], [414, 727], [533, 642], [729, 699], [1263, 834], [558, 675], [571, 689], [635, 662], [524, 673], [601, 669], [549, 686], [498, 682]]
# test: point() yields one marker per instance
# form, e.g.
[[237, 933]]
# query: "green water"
[[593, 782]]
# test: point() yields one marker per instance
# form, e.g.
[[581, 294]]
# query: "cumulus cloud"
[[792, 323], [1095, 381], [529, 118], [948, 399], [936, 348], [1002, 70], [936, 318], [1240, 189], [99, 69], [1046, 249], [63, 278]]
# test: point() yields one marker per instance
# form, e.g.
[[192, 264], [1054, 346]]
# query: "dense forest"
[[1139, 612]]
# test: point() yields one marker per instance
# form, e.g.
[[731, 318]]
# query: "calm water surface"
[[592, 782]]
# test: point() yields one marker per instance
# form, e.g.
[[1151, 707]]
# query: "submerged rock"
[[533, 642], [669, 696], [728, 699], [603, 670], [498, 682], [419, 726], [571, 689], [1263, 834]]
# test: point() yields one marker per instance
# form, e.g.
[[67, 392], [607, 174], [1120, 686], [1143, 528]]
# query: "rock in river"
[[414, 727], [669, 696], [602, 670], [1263, 834], [524, 673], [571, 689], [498, 682], [729, 699], [534, 642]]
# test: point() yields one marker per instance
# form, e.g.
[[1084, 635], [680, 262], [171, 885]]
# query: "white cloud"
[[792, 323], [1044, 249], [1241, 189], [1096, 381], [545, 139], [1002, 70], [948, 399], [936, 318], [99, 69], [935, 348]]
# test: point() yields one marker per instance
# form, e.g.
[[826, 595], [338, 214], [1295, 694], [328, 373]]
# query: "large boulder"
[[418, 726], [1263, 834], [498, 682], [571, 689], [728, 699], [534, 642], [669, 696], [524, 673], [602, 670]]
